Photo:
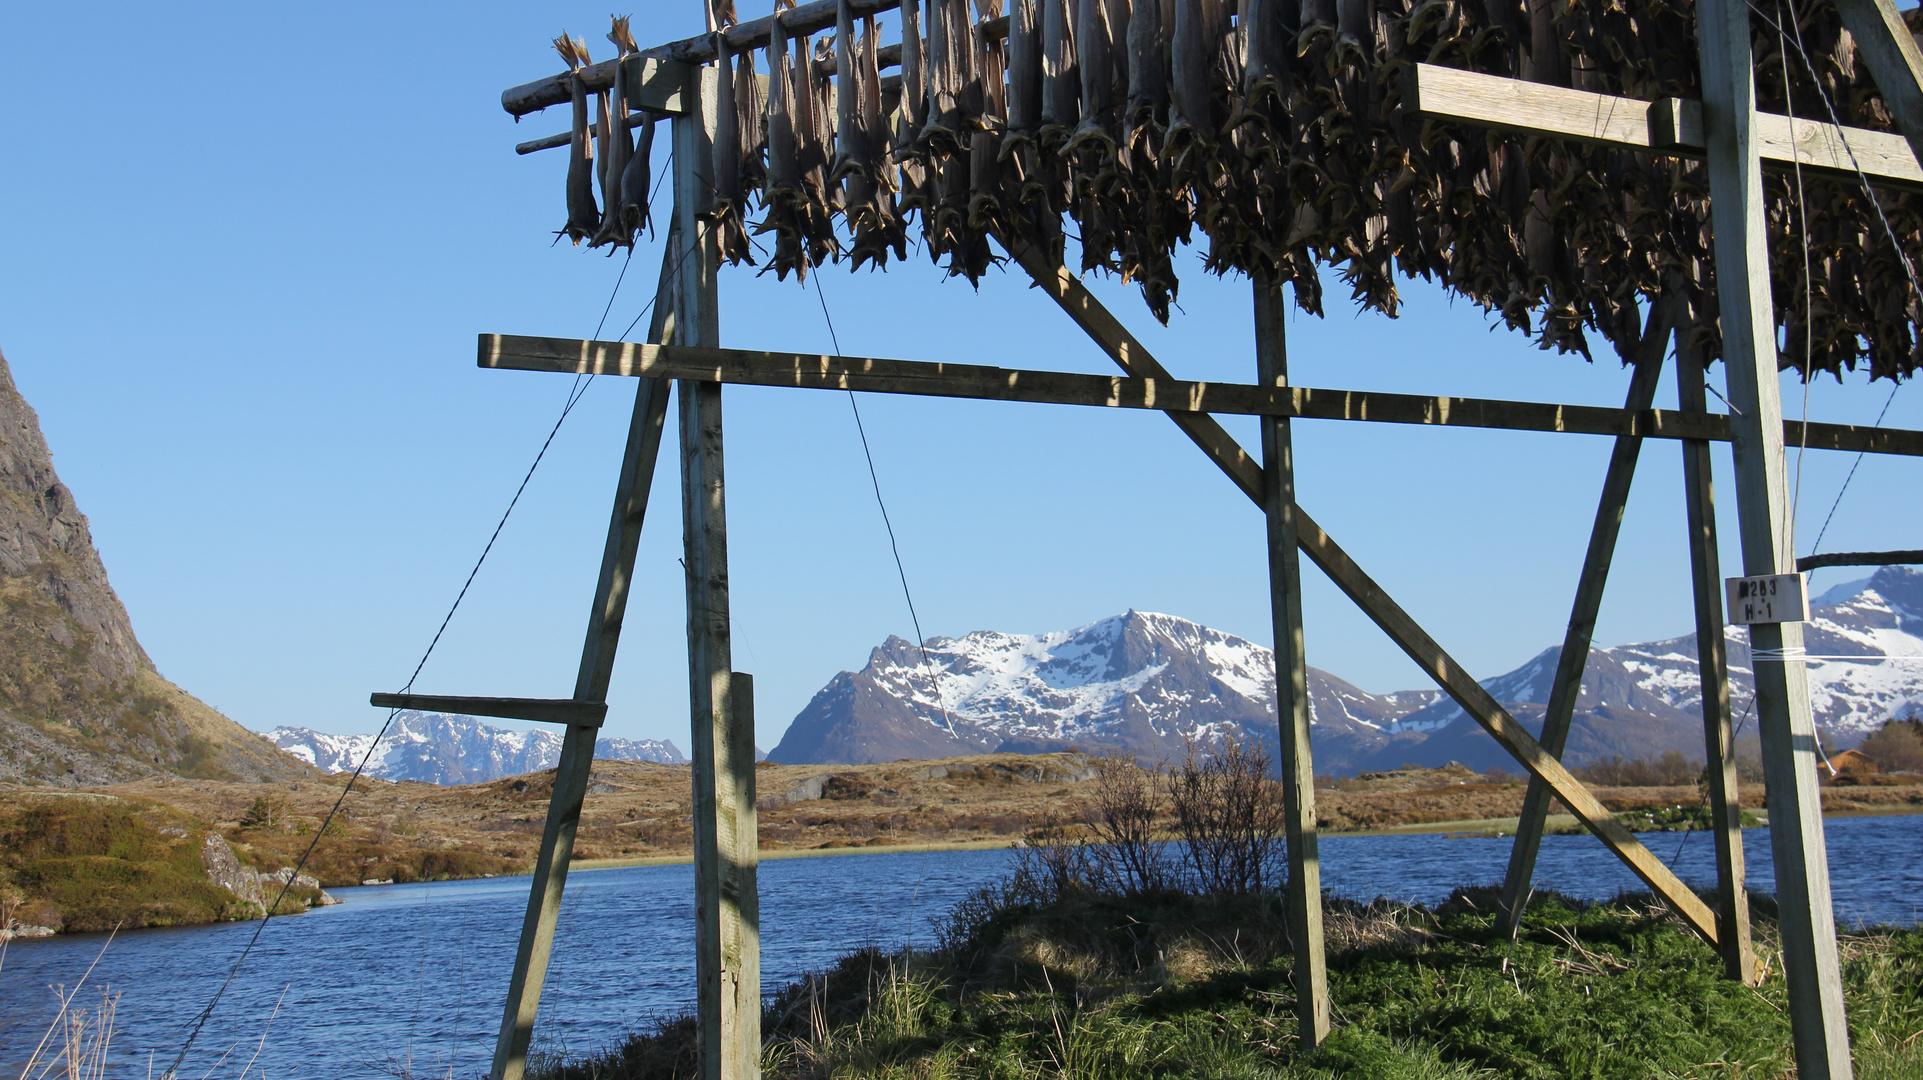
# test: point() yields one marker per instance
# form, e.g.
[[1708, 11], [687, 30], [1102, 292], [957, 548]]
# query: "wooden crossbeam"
[[1860, 558], [541, 710], [1174, 396], [711, 365], [1671, 126]]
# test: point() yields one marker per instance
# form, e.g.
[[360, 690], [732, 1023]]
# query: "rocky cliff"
[[80, 702]]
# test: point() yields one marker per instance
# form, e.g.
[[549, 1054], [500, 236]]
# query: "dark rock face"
[[1144, 684], [80, 702]]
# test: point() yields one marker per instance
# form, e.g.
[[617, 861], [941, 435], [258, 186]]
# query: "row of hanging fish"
[[1275, 129]]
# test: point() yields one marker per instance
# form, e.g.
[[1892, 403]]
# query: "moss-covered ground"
[[80, 864], [1177, 986]]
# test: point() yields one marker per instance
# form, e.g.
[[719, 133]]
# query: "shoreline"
[[1557, 824]]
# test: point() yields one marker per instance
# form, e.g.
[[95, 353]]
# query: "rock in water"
[[80, 702]]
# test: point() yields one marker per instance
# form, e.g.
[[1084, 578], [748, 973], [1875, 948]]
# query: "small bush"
[[1670, 770], [1897, 747], [1229, 814]]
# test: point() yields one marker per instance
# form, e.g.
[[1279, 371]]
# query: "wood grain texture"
[[1310, 976], [1671, 126], [1176, 397], [1807, 920], [1493, 718], [1573, 657], [539, 710], [1712, 663]]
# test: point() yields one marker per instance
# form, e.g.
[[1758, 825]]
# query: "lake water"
[[409, 978]]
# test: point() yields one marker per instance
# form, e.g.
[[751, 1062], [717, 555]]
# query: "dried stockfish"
[[1061, 79], [948, 42], [1147, 106], [584, 217], [985, 159], [1024, 74], [619, 145], [730, 198], [637, 178], [1277, 128], [1095, 49]]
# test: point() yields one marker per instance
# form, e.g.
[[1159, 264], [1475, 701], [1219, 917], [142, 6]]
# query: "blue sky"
[[249, 248]]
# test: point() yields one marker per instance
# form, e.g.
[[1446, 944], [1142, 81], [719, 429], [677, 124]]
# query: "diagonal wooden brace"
[[1573, 658], [1125, 350]]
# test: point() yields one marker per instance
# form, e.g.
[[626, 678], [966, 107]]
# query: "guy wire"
[[941, 699], [1869, 194], [575, 393]]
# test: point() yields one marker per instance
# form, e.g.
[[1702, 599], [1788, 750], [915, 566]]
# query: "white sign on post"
[[1767, 598]]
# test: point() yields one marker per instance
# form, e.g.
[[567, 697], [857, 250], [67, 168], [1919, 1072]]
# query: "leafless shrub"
[[1670, 770], [1229, 815], [1054, 861], [1129, 857]]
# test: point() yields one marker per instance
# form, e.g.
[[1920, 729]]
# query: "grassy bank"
[[78, 864], [1172, 985]]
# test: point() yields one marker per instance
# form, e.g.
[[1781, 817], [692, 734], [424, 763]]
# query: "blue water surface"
[[408, 979]]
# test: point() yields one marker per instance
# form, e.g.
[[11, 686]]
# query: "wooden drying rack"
[[678, 80]]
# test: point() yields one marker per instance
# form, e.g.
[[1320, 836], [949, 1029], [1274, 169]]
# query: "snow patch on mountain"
[[1146, 683], [438, 748]]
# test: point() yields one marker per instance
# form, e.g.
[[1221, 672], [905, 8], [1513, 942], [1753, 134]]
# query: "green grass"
[[1179, 987], [83, 864]]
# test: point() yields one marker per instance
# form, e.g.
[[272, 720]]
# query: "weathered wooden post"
[[1291, 676], [1756, 426], [727, 931], [1712, 660], [576, 762]]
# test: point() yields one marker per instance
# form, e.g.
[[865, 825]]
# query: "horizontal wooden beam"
[[542, 710], [808, 18], [1175, 396], [1671, 126], [1860, 558]]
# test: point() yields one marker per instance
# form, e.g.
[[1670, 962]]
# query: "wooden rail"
[[1671, 126], [1859, 558], [541, 710], [1175, 396], [702, 48]]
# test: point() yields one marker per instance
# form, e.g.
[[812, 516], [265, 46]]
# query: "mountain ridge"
[[441, 748], [80, 700], [1144, 683]]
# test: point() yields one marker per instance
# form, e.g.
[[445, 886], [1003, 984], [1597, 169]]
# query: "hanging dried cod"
[[584, 217], [1276, 128]]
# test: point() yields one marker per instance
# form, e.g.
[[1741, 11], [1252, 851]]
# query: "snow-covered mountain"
[[443, 749], [1139, 682], [1143, 683]]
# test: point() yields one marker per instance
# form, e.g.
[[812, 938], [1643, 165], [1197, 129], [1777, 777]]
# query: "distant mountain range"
[[1143, 683], [441, 749]]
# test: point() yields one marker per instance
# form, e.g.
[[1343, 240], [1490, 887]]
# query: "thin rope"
[[1809, 293], [1869, 195], [941, 700], [575, 393]]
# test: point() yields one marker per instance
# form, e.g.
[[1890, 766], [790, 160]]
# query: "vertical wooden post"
[[727, 935], [576, 763], [1756, 424], [1291, 676], [1712, 659], [1574, 657]]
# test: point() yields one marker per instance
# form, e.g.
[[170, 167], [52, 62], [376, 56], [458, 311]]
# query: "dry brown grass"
[[640, 810]]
